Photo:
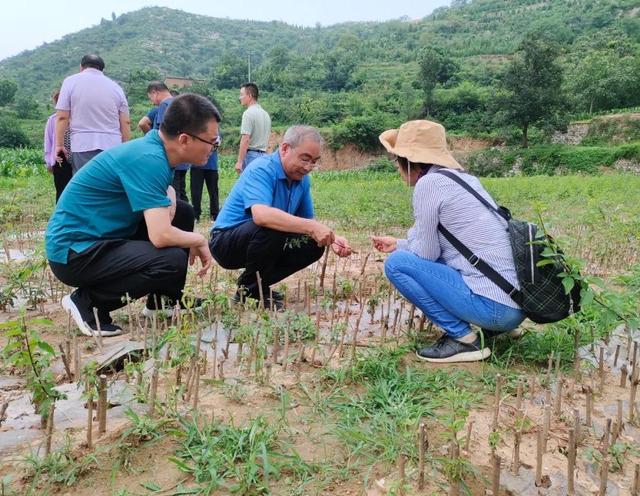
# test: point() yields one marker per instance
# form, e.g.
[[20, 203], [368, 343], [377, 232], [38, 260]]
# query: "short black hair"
[[252, 89], [157, 86], [189, 113], [92, 61]]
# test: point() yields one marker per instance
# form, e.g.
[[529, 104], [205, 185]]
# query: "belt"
[[256, 150]]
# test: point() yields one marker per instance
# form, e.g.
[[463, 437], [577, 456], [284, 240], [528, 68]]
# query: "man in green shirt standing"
[[118, 229], [255, 128]]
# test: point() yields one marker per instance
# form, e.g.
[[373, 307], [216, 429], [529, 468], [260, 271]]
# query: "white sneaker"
[[70, 306]]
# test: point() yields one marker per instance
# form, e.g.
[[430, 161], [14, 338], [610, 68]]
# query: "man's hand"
[[204, 254], [239, 167], [60, 152], [385, 244], [321, 234], [341, 247]]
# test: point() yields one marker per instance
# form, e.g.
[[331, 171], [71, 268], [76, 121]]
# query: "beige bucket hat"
[[421, 142]]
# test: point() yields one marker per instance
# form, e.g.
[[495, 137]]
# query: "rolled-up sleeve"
[[422, 237]]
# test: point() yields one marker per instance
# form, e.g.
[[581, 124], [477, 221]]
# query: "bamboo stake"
[[260, 290], [604, 476], [422, 436], [571, 463], [633, 389], [132, 329], [588, 406], [47, 446], [576, 425], [102, 404], [623, 376], [601, 369], [519, 395], [77, 371], [97, 335], [221, 368], [615, 355], [285, 357], [454, 483]]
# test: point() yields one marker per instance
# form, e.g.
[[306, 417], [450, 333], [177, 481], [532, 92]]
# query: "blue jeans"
[[442, 295], [250, 157]]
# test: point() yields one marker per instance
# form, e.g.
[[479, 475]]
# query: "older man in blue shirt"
[[266, 224]]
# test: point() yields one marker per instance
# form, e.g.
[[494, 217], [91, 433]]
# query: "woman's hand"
[[385, 244]]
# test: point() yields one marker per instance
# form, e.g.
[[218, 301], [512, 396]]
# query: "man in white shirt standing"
[[255, 128]]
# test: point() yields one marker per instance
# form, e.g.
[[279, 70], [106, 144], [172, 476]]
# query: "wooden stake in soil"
[[623, 376], [576, 425], [604, 477], [539, 451], [467, 441], [47, 445], [402, 459], [495, 480], [97, 335], [324, 267], [102, 404], [635, 486], [546, 426], [558, 403], [90, 421], [633, 389], [601, 369], [496, 402], [65, 362], [422, 437], [588, 406], [154, 391], [615, 356], [519, 395], [571, 463], [196, 388], [454, 483], [517, 438]]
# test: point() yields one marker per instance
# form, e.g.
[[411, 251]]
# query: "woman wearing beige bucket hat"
[[428, 270]]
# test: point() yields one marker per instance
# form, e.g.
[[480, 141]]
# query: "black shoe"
[[278, 299], [448, 350], [85, 320]]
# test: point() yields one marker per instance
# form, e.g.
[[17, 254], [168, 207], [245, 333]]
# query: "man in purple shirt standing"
[[95, 109]]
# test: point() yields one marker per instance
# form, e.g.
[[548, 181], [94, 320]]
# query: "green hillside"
[[349, 75]]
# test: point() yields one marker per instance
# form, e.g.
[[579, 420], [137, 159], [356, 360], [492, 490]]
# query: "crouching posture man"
[[266, 224], [118, 228]]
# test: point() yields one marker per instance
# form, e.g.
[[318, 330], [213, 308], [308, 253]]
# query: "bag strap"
[[486, 269], [455, 177]]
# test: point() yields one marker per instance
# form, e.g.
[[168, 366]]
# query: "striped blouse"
[[438, 199]]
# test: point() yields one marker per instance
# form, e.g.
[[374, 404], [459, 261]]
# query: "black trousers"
[[180, 185], [108, 270], [275, 254], [209, 177], [61, 176]]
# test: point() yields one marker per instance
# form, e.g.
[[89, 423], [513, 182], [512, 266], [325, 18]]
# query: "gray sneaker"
[[448, 350]]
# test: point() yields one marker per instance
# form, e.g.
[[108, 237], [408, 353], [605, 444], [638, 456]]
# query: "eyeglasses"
[[309, 163], [213, 144]]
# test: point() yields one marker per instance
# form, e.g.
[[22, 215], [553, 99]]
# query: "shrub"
[[11, 135]]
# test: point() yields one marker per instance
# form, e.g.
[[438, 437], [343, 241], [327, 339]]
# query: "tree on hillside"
[[604, 80], [532, 86], [434, 68], [8, 90], [27, 107]]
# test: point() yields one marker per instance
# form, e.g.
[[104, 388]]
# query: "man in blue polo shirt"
[[266, 224], [118, 229]]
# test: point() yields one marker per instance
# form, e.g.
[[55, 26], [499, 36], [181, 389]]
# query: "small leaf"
[[46, 347], [568, 283], [151, 486]]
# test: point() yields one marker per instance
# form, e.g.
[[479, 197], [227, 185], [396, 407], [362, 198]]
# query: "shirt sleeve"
[[124, 104], [49, 141], [305, 209], [246, 127], [144, 188], [262, 187], [64, 99], [422, 237]]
